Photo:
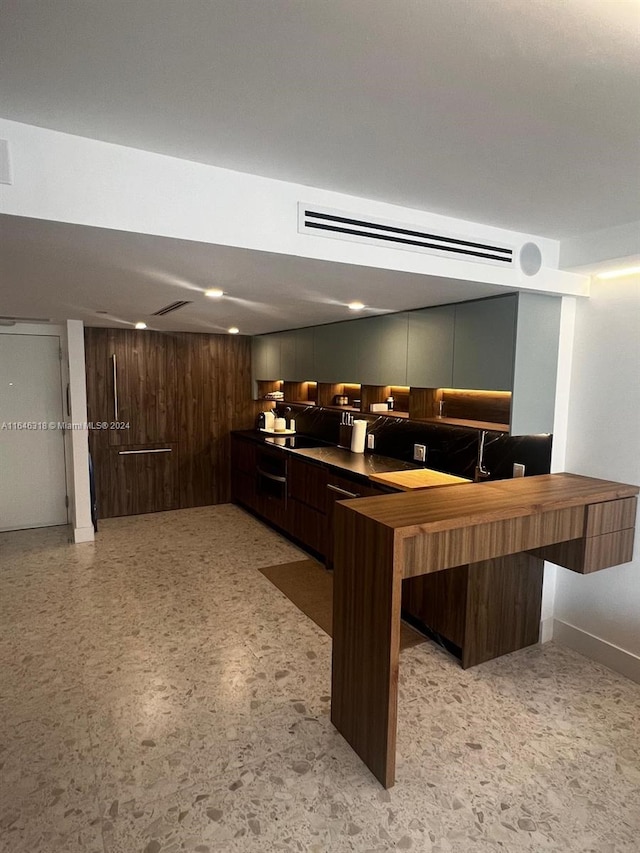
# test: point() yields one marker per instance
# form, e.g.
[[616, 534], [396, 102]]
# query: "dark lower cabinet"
[[292, 494], [479, 611], [144, 479]]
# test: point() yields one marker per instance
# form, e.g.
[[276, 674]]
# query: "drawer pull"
[[273, 477], [137, 452], [342, 491]]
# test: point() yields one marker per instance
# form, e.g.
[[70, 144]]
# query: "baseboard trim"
[[620, 660], [83, 534]]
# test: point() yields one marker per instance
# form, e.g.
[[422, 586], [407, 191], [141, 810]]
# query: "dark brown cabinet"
[[143, 387], [169, 402], [291, 493]]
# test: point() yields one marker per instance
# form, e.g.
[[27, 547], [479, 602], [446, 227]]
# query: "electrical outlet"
[[419, 453], [371, 441], [518, 469]]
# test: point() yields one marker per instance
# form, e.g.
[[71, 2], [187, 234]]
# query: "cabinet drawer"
[[610, 516], [143, 479], [337, 484], [308, 484], [309, 526]]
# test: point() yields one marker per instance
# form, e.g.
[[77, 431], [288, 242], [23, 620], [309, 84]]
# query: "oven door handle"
[[273, 477]]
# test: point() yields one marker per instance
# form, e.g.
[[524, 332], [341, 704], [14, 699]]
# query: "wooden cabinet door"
[[340, 488], [143, 385], [484, 347], [143, 479], [308, 484], [430, 347]]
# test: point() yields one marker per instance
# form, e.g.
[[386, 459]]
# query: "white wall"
[[599, 614]]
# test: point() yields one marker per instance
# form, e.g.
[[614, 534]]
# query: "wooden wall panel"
[[189, 390], [439, 600], [504, 600], [146, 386]]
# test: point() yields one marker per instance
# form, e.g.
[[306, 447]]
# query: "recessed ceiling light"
[[233, 330], [214, 293], [619, 273], [141, 325], [356, 306]]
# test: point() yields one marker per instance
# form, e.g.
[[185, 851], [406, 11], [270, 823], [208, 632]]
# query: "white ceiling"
[[518, 113], [60, 271]]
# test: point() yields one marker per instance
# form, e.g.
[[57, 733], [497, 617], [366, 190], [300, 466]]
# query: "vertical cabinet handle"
[[115, 387]]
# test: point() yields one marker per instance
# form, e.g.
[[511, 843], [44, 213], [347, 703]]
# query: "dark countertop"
[[355, 464]]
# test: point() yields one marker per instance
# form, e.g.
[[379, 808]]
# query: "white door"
[[32, 464]]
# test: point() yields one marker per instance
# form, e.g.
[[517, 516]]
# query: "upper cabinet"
[[336, 351], [266, 358], [297, 354], [484, 344], [430, 347], [382, 350], [505, 343]]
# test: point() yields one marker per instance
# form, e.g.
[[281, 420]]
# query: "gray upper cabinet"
[[430, 347], [305, 355], [288, 355], [297, 355], [484, 344], [266, 357], [536, 364], [336, 348], [382, 350]]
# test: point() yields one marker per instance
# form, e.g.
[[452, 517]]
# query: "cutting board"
[[417, 478]]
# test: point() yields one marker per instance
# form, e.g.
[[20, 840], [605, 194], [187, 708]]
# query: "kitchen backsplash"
[[449, 448]]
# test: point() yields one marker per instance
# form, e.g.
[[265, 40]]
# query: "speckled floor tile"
[[160, 695]]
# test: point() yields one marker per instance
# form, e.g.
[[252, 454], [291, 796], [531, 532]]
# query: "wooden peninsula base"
[[492, 537]]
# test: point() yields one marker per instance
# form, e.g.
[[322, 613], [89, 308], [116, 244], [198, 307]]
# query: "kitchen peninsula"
[[582, 523]]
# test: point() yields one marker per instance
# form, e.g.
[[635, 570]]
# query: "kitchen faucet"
[[481, 473]]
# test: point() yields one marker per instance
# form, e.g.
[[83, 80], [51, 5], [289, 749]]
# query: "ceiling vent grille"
[[342, 226], [173, 307]]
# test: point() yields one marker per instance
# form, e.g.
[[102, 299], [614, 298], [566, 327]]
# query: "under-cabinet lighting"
[[214, 293], [356, 306], [619, 273], [141, 326], [233, 330]]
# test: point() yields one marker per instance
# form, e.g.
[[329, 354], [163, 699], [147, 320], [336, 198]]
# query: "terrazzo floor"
[[159, 695]]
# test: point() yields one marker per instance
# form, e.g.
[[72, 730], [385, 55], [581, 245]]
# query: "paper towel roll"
[[358, 436]]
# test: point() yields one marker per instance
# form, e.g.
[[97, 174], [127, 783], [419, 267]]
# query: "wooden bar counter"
[[501, 531]]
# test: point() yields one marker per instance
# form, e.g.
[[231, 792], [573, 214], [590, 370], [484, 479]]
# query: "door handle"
[[151, 450], [273, 477], [342, 491], [115, 387]]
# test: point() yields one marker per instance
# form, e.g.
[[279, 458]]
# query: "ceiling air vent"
[[343, 226], [173, 307]]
